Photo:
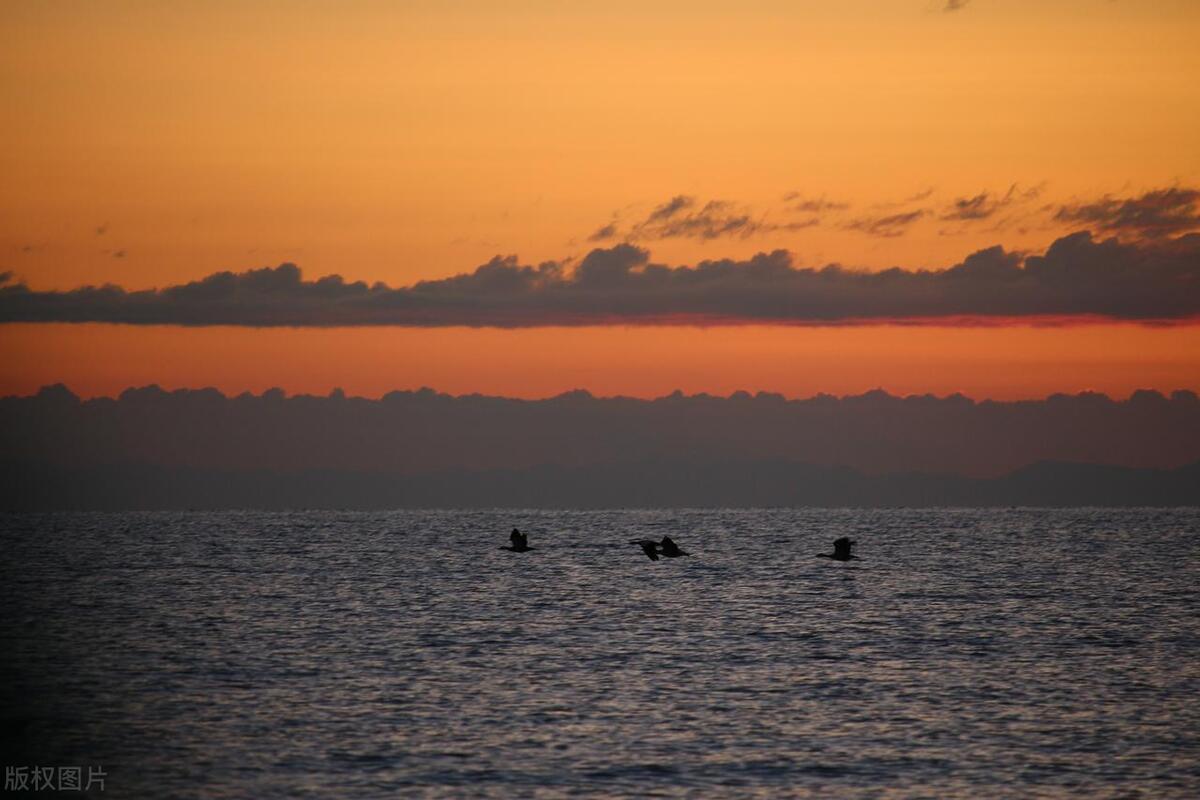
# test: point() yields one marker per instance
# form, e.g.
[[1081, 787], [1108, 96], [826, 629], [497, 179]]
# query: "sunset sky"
[[153, 144]]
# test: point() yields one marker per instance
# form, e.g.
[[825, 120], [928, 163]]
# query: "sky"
[[503, 157]]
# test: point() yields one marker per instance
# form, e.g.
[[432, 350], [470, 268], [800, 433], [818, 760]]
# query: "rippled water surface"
[[1018, 653]]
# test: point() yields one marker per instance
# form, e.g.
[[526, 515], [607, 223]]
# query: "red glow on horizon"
[[983, 362]]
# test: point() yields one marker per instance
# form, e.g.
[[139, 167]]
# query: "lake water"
[[972, 653]]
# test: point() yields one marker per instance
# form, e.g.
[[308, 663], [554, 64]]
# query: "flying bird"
[[520, 542], [666, 548], [669, 549], [841, 550], [649, 547]]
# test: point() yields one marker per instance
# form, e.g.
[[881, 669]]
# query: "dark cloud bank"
[[156, 449], [1154, 279]]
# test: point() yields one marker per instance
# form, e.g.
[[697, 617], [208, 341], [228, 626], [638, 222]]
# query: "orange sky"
[[148, 143], [999, 363]]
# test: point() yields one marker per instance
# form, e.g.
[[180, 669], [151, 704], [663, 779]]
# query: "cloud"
[[818, 205], [681, 217], [887, 226], [603, 233], [684, 217], [987, 204], [1077, 278], [955, 5], [981, 206], [671, 208], [407, 433], [1155, 213], [916, 197]]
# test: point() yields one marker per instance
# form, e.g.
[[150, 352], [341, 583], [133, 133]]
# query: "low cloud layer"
[[1078, 277], [409, 432]]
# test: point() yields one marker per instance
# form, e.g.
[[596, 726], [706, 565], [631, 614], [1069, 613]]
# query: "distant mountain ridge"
[[26, 486]]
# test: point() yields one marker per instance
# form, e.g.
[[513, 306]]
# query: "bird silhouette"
[[649, 547], [669, 549], [841, 550], [520, 542], [666, 548]]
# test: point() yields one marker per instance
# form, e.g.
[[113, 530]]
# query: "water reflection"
[[970, 653]]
